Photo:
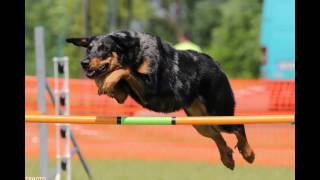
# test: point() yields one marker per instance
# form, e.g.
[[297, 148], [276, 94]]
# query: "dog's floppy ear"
[[83, 41], [124, 39]]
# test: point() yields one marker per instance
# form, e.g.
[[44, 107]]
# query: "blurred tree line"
[[228, 30]]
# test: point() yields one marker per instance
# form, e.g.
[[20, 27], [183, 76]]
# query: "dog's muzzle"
[[93, 73]]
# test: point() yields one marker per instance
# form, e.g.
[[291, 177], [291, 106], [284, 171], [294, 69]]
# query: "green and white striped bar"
[[146, 120]]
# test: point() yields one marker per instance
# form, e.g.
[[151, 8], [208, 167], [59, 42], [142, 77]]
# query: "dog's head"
[[106, 53]]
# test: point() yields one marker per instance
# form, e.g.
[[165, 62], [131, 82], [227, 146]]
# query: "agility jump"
[[161, 120]]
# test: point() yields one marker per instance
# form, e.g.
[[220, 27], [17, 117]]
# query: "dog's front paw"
[[102, 91], [108, 87]]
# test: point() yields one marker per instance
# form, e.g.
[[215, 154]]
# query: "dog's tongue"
[[90, 73]]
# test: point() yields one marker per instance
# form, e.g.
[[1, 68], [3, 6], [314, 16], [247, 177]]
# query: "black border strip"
[[173, 120], [118, 119]]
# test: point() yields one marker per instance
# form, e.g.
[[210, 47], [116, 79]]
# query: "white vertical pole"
[[65, 91], [56, 99], [67, 106]]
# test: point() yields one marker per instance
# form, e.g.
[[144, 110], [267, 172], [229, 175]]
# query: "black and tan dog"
[[164, 79]]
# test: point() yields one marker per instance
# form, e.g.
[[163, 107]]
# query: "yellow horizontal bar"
[[199, 120], [70, 119], [223, 120]]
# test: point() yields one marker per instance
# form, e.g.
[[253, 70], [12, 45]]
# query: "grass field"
[[165, 170]]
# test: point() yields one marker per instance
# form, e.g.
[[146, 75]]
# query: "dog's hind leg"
[[224, 106], [242, 144], [225, 151], [197, 108]]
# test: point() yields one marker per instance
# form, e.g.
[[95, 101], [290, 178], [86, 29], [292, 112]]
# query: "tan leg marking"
[[244, 148], [197, 108], [144, 67], [137, 87], [112, 79]]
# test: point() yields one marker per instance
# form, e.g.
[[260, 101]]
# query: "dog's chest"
[[159, 103], [163, 104]]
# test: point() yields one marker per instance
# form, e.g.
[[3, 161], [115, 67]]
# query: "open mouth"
[[90, 73], [102, 70]]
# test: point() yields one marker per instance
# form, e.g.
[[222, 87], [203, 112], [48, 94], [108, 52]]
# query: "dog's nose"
[[85, 63]]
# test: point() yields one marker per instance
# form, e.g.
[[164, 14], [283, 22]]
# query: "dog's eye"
[[102, 48]]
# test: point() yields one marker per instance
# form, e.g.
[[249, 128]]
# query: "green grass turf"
[[165, 170]]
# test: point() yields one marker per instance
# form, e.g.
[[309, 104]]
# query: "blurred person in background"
[[184, 43]]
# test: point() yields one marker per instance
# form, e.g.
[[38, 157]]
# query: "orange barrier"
[[253, 97]]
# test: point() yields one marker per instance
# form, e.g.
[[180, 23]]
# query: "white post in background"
[[41, 78], [56, 100], [66, 111]]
